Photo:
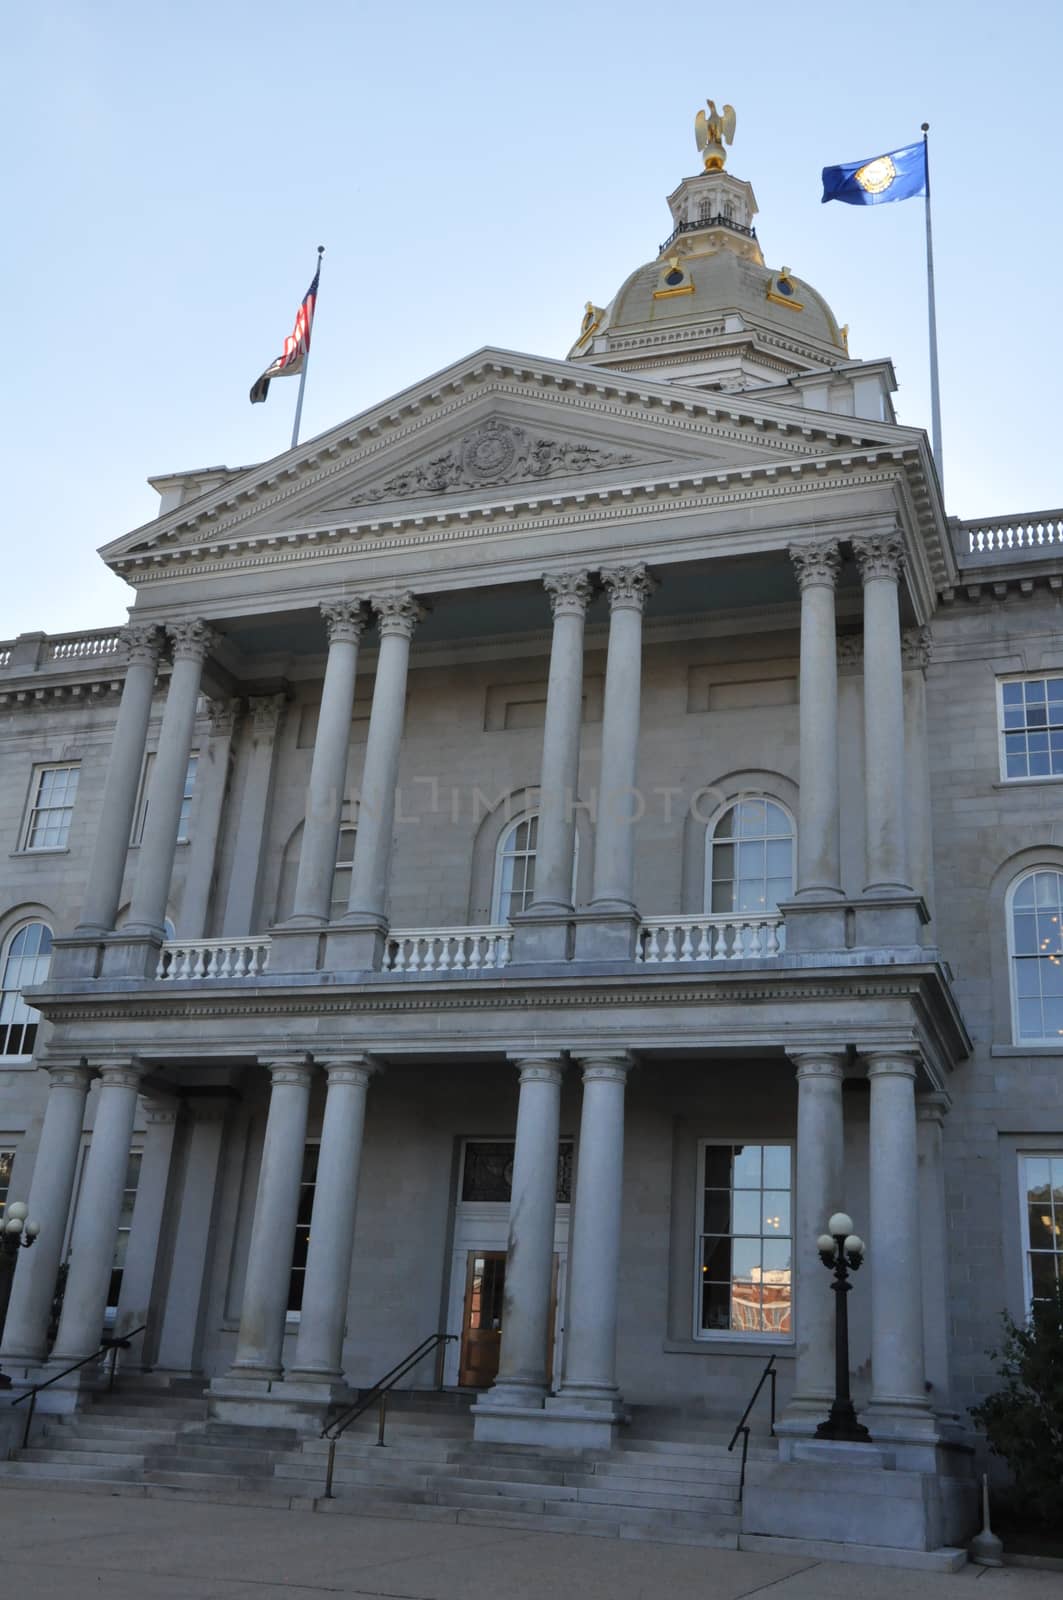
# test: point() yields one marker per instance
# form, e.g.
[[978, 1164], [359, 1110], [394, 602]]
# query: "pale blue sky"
[[477, 172]]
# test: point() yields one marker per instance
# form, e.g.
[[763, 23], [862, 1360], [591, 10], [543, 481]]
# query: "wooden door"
[[481, 1331]]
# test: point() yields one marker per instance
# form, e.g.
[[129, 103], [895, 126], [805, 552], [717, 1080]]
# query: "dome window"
[[673, 277]]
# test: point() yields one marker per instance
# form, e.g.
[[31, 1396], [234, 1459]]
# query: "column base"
[[886, 918], [520, 1395], [131, 955], [802, 1416], [297, 949], [270, 1403], [78, 956], [542, 936], [565, 1428], [607, 933], [356, 946], [814, 925]]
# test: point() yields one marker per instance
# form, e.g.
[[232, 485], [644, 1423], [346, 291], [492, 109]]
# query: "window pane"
[[776, 1212], [1038, 1176], [780, 852], [1042, 1233], [1012, 694], [716, 1306], [717, 1210], [1030, 1019], [777, 1166], [716, 1260], [718, 1166], [745, 1260], [777, 1254], [1025, 933], [1043, 1272], [746, 1211], [747, 1159]]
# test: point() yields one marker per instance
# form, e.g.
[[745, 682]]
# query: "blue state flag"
[[895, 176]]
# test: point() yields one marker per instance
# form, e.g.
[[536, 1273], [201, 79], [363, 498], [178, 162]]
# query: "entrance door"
[[481, 1329]]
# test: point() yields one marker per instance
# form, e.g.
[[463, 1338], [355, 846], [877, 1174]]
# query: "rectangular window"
[[341, 877], [7, 1159], [1031, 727], [487, 1172], [183, 836], [1041, 1177], [51, 808], [125, 1224], [302, 1228], [744, 1255]]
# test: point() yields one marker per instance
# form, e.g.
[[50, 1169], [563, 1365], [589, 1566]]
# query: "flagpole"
[[935, 392], [306, 363]]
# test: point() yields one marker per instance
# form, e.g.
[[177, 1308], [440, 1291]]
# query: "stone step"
[[66, 1469], [655, 1473], [692, 1452], [218, 1465], [90, 1458], [66, 1440]]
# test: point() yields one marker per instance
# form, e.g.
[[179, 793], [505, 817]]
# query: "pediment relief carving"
[[495, 452]]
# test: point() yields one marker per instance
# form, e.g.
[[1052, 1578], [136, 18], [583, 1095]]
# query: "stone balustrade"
[[1020, 536], [484, 949], [723, 938], [223, 959]]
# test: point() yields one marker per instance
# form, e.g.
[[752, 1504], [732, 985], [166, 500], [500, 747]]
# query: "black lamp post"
[[842, 1251], [15, 1233]]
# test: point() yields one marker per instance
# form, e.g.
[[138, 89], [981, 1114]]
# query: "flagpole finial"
[[321, 249], [925, 126]]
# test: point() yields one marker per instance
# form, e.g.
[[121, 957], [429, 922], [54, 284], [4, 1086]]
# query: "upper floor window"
[[1035, 934], [515, 868], [1041, 1178], [125, 1228], [1031, 727], [25, 962], [750, 865], [744, 1240], [51, 808], [341, 877], [184, 816], [307, 1183]]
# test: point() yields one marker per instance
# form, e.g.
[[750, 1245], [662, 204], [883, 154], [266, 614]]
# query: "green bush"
[[1023, 1421]]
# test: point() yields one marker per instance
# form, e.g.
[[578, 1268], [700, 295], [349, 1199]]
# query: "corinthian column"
[[881, 559], [191, 642], [142, 641], [551, 907], [361, 944], [344, 621], [612, 920], [818, 838]]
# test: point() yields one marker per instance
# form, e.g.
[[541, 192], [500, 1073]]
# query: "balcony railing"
[[448, 949], [719, 221], [734, 938], [224, 959], [1025, 534]]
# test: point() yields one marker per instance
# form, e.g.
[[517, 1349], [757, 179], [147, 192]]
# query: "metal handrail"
[[769, 1375], [112, 1346], [336, 1426]]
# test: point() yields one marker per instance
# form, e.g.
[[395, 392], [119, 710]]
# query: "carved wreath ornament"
[[495, 452]]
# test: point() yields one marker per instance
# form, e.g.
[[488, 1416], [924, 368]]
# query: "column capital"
[[65, 1077], [816, 563], [879, 555], [344, 620], [296, 1070], [891, 1063], [628, 588], [223, 715], [533, 1068], [933, 1107], [605, 1066], [825, 1063], [123, 1073], [142, 642], [356, 1069], [397, 613], [266, 713], [190, 639], [570, 592], [917, 648]]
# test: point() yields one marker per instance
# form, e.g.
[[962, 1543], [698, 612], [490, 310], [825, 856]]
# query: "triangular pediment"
[[497, 427]]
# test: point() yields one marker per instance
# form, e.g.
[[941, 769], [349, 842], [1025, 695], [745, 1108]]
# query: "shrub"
[[1023, 1420]]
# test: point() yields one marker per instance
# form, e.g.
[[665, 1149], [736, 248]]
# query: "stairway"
[[670, 1479]]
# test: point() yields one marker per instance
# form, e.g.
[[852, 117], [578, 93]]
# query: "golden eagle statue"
[[711, 131]]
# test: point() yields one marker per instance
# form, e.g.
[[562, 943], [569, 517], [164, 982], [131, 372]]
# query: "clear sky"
[[477, 172]]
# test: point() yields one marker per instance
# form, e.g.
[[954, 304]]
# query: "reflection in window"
[[302, 1228], [1036, 934], [744, 1247], [1033, 727], [1042, 1195], [26, 962], [751, 859]]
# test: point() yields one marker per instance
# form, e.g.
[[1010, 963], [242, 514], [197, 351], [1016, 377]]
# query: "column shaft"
[[345, 620], [614, 841], [819, 1194], [260, 1341], [559, 777], [818, 834], [934, 1238], [397, 617], [897, 1369], [99, 1206], [125, 759], [26, 1328], [248, 835], [319, 1348], [915, 653], [590, 1327], [137, 1302], [530, 1248], [212, 782], [881, 560], [158, 845]]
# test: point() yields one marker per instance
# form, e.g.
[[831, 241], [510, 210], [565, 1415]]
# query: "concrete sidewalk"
[[62, 1546]]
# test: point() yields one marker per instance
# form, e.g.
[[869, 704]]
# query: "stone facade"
[[622, 606]]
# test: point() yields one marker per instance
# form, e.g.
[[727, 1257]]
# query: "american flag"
[[296, 346]]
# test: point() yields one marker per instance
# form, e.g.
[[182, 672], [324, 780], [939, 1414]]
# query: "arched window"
[[750, 864], [25, 962], [1035, 935], [515, 868], [341, 877]]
